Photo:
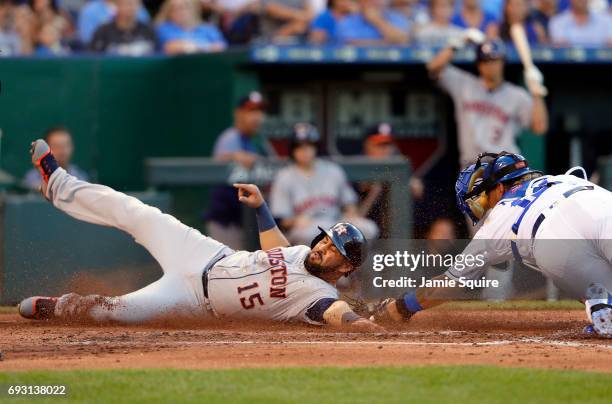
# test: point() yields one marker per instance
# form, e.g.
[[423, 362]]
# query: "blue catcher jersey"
[[508, 230]]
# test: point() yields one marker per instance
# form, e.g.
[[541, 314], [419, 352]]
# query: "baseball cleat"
[[43, 159], [599, 306], [589, 330], [37, 307], [602, 322]]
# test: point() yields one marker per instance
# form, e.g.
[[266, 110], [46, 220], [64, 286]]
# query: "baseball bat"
[[519, 37]]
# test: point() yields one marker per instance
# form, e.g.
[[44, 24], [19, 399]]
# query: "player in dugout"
[[490, 112]]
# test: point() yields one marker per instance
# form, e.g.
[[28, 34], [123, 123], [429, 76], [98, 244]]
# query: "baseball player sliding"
[[560, 225], [202, 277]]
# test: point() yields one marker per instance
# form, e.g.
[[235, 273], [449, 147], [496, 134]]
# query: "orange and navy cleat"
[[37, 307]]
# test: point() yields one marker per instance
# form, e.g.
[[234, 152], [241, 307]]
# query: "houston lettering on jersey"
[[278, 283], [486, 108]]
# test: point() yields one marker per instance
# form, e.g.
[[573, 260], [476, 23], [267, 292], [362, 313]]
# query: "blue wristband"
[[411, 303], [265, 221]]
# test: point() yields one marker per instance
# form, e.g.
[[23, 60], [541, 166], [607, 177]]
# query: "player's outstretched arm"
[[270, 235], [403, 308], [340, 314]]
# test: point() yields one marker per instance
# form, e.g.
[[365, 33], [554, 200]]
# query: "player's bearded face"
[[492, 70], [324, 258]]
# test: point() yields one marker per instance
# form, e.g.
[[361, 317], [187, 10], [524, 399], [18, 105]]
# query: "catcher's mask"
[[473, 204], [477, 180]]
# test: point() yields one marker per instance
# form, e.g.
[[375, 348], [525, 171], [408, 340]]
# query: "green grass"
[[469, 384]]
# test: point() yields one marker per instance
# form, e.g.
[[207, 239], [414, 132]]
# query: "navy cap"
[[490, 50], [253, 102]]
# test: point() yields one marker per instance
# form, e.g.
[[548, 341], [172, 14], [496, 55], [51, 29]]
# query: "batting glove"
[[535, 82]]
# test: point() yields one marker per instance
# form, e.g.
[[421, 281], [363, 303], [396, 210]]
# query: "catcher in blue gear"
[[559, 225]]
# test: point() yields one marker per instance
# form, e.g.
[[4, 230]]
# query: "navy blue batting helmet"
[[303, 133], [490, 50], [349, 241]]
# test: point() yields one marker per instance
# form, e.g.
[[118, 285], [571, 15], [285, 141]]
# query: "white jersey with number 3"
[[267, 285]]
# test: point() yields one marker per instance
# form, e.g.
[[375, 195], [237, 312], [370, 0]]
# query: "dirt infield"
[[509, 338]]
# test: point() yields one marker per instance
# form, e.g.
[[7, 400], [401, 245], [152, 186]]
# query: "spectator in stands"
[[312, 192], [543, 11], [11, 42], [580, 27], [416, 11], [495, 8], [471, 15], [125, 35], [374, 24], [517, 12], [238, 144], [324, 28], [180, 29], [44, 12], [62, 147], [285, 19], [48, 41], [240, 20], [440, 30], [97, 13]]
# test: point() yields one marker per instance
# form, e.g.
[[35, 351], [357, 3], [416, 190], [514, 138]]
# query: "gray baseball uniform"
[[320, 197], [269, 285], [487, 121]]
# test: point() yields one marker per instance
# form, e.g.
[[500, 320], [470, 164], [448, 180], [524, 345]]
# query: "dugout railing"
[[173, 172]]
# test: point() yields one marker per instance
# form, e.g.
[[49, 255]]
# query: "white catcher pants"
[[574, 243], [182, 252]]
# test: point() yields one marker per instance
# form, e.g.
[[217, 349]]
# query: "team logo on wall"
[[342, 114]]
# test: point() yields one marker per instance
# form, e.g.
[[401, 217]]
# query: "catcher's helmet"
[[490, 50], [479, 178], [303, 133], [349, 241]]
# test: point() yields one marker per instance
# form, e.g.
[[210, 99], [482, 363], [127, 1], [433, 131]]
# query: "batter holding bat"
[[490, 112], [202, 277], [559, 225]]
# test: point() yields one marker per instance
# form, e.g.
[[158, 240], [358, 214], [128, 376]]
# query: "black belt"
[[205, 272], [566, 194]]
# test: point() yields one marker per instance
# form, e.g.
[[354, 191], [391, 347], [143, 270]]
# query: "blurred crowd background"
[[135, 27]]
